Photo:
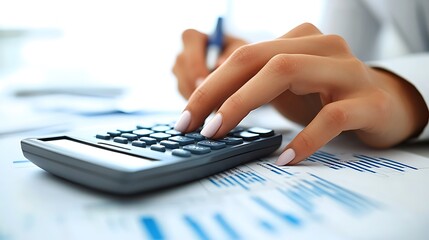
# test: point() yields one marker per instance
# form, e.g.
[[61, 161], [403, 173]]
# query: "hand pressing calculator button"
[[147, 157]]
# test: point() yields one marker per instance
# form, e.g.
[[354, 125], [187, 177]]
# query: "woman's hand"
[[310, 78], [190, 66]]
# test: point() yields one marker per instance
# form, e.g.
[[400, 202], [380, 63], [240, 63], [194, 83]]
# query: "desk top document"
[[342, 191]]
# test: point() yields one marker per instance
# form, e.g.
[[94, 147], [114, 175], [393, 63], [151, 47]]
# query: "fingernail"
[[199, 82], [286, 157], [183, 122], [211, 128]]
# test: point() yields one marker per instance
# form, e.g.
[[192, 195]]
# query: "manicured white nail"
[[199, 82], [286, 157], [211, 128], [183, 122]]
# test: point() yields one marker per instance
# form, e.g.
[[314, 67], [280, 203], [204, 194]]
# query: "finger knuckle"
[[335, 115], [337, 41], [283, 64], [308, 27], [243, 55]]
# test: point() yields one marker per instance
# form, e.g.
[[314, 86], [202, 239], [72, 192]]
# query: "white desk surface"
[[355, 205]]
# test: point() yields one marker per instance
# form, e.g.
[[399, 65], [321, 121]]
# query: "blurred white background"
[[127, 43]]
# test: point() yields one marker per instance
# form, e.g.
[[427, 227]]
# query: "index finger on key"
[[241, 66]]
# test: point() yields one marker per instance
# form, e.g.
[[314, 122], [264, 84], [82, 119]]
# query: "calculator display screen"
[[101, 156]]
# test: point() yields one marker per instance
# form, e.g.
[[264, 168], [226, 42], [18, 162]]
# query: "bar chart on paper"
[[360, 163], [298, 206], [331, 195], [273, 201]]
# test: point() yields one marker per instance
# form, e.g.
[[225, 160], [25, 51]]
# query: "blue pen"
[[215, 45]]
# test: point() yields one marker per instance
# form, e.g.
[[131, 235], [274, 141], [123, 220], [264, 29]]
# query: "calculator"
[[146, 157]]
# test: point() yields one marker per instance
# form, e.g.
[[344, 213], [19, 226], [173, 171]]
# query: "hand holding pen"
[[201, 55]]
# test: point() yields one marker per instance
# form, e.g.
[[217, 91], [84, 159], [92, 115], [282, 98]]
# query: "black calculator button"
[[169, 144], [158, 147], [129, 136], [148, 140], [160, 136], [114, 133], [138, 143], [195, 136], [181, 153], [195, 149], [103, 136], [247, 136], [173, 132], [143, 132], [263, 132], [120, 140], [213, 145], [161, 128], [232, 140], [182, 140]]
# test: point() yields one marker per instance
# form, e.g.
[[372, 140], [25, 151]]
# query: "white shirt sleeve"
[[389, 34], [415, 69]]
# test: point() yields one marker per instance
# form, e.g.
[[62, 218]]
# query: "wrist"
[[410, 107]]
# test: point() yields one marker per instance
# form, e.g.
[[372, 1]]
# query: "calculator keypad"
[[163, 138]]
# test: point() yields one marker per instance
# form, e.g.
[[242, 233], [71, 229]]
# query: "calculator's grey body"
[[165, 170]]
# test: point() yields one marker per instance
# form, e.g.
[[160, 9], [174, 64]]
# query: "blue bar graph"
[[237, 179], [305, 193], [196, 227], [227, 228], [275, 169], [266, 225], [286, 217], [360, 163], [151, 228]]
